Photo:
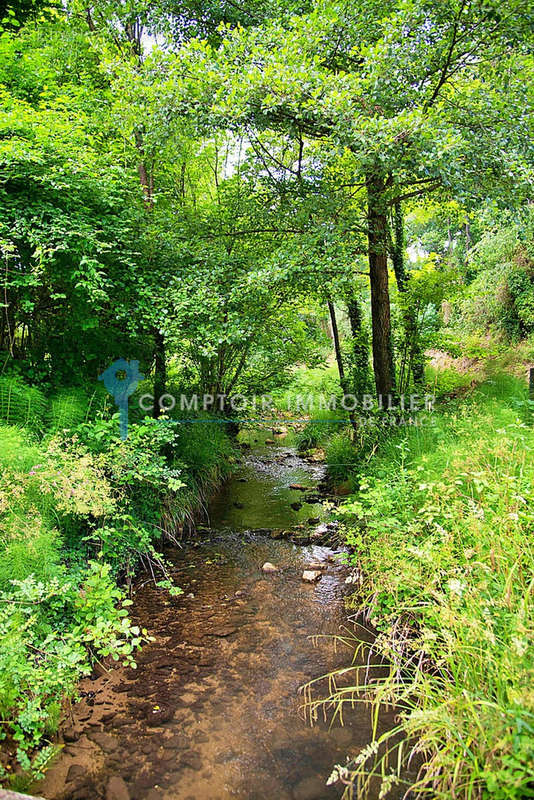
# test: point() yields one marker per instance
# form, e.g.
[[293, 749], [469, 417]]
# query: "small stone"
[[104, 740], [177, 742], [299, 487], [317, 565], [70, 735], [157, 716], [76, 771], [188, 699], [313, 520], [321, 530], [268, 567], [223, 631], [153, 794], [225, 757], [296, 506], [117, 789], [192, 760], [312, 575], [269, 441]]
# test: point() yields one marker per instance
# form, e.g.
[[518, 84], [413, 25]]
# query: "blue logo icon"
[[121, 387]]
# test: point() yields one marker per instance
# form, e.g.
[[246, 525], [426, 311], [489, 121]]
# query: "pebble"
[[312, 575], [117, 789], [76, 771]]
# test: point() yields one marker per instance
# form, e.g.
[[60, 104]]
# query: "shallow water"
[[213, 710]]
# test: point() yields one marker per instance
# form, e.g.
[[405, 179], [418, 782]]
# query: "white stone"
[[311, 575]]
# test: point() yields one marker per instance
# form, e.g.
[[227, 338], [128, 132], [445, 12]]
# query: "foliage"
[[22, 405], [501, 296], [216, 190], [76, 511], [50, 632], [440, 531], [58, 613]]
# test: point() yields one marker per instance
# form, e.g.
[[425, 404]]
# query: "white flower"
[[456, 586], [338, 773], [519, 645]]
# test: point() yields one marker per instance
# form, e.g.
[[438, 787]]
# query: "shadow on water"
[[212, 712]]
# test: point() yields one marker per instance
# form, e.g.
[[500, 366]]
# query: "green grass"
[[442, 532], [22, 405]]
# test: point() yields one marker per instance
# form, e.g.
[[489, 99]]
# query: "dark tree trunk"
[[378, 273], [397, 255], [160, 372], [337, 347], [413, 349], [339, 358], [360, 347]]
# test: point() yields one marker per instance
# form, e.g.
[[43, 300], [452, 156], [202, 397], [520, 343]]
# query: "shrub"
[[57, 613], [442, 534], [49, 635]]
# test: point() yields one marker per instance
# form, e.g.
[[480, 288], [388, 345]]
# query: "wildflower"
[[366, 752], [339, 773], [456, 587], [520, 646]]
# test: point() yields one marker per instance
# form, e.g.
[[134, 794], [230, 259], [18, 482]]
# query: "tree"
[[426, 97]]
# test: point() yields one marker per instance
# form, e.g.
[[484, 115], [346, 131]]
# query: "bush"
[[49, 635], [57, 612], [78, 509], [442, 534]]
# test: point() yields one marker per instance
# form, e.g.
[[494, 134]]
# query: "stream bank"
[[213, 709]]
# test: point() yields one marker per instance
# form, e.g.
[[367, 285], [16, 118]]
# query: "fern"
[[68, 408], [71, 407], [21, 405]]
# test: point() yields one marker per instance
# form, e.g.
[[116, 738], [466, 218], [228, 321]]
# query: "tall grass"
[[442, 533], [28, 541], [22, 405]]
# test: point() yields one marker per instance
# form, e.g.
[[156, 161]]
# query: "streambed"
[[213, 710]]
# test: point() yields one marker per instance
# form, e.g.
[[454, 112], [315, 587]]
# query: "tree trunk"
[[145, 178], [160, 372], [360, 347], [415, 359], [337, 347], [339, 358], [378, 273]]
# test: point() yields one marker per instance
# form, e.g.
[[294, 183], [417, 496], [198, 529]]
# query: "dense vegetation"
[[260, 197]]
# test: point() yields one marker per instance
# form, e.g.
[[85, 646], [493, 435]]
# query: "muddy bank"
[[213, 710]]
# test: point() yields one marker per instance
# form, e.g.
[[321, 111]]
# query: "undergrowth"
[[80, 511], [441, 535]]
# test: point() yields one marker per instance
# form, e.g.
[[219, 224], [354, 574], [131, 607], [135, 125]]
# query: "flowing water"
[[213, 710]]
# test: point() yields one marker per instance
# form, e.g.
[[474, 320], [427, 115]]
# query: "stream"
[[213, 710]]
